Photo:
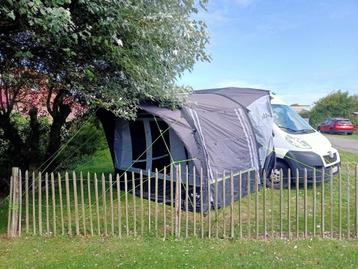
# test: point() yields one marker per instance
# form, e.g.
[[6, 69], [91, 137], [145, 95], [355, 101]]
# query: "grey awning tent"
[[217, 131]]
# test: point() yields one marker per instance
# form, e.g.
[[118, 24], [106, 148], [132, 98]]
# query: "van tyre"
[[274, 179]]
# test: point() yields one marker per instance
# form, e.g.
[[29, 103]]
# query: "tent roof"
[[244, 96]]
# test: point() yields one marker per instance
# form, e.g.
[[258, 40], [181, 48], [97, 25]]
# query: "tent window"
[[138, 144], [160, 155]]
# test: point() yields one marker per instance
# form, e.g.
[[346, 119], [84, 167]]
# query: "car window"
[[344, 122]]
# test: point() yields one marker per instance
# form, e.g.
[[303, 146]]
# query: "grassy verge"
[[153, 253], [348, 157], [353, 136]]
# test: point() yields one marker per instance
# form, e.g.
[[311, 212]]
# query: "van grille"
[[330, 160]]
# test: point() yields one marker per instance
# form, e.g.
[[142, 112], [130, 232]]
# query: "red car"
[[336, 126]]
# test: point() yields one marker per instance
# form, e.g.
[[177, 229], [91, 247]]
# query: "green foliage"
[[86, 138], [113, 53], [82, 138], [336, 104], [8, 152], [99, 162]]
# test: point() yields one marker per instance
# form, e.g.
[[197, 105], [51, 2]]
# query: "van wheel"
[[275, 177]]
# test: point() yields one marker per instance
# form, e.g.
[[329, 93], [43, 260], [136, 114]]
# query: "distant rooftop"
[[301, 108]]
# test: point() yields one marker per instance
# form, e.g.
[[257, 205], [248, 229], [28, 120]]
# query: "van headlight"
[[297, 142]]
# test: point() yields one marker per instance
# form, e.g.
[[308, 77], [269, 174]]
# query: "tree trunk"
[[33, 140], [59, 113]]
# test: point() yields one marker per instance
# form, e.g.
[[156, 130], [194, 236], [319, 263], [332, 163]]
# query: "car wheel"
[[275, 178]]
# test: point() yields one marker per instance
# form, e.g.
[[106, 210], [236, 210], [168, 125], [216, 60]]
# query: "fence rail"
[[295, 205]]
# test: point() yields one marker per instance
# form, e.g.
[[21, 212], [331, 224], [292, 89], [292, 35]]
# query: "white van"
[[299, 146]]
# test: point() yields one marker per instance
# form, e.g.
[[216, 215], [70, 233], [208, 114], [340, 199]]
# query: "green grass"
[[34, 252], [150, 252], [100, 162], [3, 215], [353, 136], [348, 157]]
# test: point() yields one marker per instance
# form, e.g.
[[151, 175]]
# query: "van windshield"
[[289, 120]]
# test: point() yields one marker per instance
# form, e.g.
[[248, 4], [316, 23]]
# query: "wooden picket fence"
[[81, 204]]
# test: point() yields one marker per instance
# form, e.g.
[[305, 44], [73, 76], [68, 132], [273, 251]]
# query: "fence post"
[[297, 204], [111, 203], [201, 203], [322, 202], [134, 204], [194, 201], [83, 205], [53, 203], [331, 201], [305, 202], [239, 205], [19, 229], [264, 204], [224, 202], [216, 206], [232, 233], [27, 201], [348, 204], [257, 203], [156, 201], [186, 201], [33, 203], [68, 203], [47, 204], [164, 203], [104, 204], [61, 203], [339, 203], [14, 203], [289, 203], [248, 182], [281, 203], [356, 202], [314, 201], [177, 201], [9, 220]]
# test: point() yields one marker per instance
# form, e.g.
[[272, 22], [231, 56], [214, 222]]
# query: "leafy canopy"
[[336, 104], [114, 53]]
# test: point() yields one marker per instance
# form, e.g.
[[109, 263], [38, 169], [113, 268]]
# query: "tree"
[[112, 54], [336, 104]]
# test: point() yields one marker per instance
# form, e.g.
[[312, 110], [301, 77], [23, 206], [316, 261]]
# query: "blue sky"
[[300, 49]]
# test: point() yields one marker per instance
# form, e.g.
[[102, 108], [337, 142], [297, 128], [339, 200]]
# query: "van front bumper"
[[299, 161]]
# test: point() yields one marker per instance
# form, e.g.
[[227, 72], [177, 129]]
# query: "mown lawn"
[[36, 252]]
